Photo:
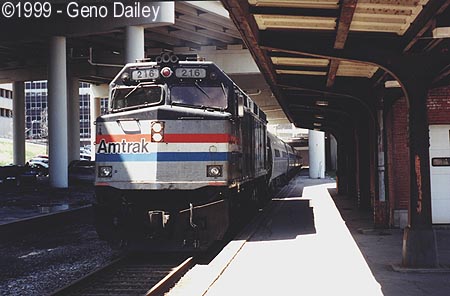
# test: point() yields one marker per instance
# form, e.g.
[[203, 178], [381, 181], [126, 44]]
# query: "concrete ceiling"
[[96, 45]]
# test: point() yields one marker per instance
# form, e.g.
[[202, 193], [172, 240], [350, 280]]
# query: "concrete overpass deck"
[[63, 44]]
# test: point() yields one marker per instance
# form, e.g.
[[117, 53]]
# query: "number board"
[[190, 73], [143, 74], [440, 161]]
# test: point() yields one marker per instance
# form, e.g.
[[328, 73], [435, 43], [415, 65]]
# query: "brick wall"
[[397, 143], [398, 156], [439, 106]]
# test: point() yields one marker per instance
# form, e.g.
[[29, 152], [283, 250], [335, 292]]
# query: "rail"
[[131, 275]]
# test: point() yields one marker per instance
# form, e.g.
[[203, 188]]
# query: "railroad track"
[[42, 223], [139, 274], [131, 275]]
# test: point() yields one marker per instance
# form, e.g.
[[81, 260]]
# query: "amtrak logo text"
[[123, 147]]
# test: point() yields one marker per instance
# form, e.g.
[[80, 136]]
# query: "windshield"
[[135, 96], [200, 95]]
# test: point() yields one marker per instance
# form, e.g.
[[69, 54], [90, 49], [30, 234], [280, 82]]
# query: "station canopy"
[[327, 61]]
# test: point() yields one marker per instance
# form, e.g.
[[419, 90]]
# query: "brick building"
[[398, 158]]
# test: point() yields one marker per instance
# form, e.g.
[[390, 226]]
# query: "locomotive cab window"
[[140, 95], [197, 95]]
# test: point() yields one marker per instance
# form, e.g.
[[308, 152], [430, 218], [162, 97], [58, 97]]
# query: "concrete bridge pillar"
[[57, 113], [19, 123], [134, 44], [316, 154]]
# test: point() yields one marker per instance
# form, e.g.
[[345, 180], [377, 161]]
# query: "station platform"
[[33, 201], [311, 241]]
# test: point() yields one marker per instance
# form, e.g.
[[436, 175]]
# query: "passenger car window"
[[277, 153]]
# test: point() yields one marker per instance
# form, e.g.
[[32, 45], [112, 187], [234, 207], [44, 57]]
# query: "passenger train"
[[180, 154]]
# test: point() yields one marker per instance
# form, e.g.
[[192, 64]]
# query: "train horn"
[[165, 57]]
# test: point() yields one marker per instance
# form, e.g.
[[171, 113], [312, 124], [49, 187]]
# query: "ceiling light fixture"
[[322, 103], [391, 84], [441, 32]]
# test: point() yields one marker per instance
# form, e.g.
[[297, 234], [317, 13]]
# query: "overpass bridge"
[[89, 40]]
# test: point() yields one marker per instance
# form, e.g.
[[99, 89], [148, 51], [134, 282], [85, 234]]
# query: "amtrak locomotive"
[[181, 152]]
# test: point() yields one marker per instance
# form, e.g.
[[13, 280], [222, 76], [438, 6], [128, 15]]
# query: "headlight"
[[157, 137], [105, 171], [157, 127], [214, 171], [157, 131]]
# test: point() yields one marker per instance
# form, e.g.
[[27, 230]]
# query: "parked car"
[[10, 174], [16, 175], [84, 156], [82, 171], [40, 159], [85, 153], [87, 148], [36, 172]]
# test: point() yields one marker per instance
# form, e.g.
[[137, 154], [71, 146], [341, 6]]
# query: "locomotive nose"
[[172, 152]]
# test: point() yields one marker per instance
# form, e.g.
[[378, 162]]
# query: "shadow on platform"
[[293, 217]]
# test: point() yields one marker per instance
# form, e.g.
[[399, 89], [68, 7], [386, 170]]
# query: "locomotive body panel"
[[179, 161]]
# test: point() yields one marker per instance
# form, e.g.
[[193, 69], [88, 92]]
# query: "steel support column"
[[419, 241], [19, 123], [134, 44], [381, 204], [346, 165], [364, 165], [57, 113], [354, 159], [73, 119], [352, 167], [341, 173], [372, 155], [333, 153]]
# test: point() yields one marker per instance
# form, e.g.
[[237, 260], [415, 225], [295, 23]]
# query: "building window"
[[36, 109]]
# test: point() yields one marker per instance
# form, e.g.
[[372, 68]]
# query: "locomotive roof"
[[152, 63], [252, 106]]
